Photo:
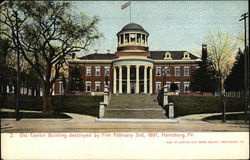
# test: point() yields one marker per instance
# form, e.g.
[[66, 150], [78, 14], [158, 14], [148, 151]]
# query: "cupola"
[[132, 37]]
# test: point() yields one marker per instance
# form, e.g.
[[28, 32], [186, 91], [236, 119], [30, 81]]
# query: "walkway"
[[83, 123]]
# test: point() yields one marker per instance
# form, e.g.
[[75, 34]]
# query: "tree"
[[45, 32], [4, 66], [221, 48], [202, 79], [75, 81], [237, 74]]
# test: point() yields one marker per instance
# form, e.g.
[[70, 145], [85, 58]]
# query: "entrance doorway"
[[132, 85]]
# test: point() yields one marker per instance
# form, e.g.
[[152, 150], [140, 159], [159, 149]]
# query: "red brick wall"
[[101, 78], [93, 78], [146, 54], [132, 48], [172, 78]]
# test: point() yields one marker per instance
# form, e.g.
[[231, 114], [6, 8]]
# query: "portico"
[[132, 77]]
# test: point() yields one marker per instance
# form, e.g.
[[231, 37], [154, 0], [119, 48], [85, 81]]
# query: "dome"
[[132, 26]]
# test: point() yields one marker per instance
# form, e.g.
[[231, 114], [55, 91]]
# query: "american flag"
[[125, 5]]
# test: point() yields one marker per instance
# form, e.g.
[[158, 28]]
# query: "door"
[[132, 88]]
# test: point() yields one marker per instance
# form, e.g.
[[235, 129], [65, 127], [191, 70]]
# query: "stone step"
[[135, 106], [133, 101], [139, 114]]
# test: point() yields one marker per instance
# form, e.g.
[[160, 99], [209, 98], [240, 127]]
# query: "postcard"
[[124, 80]]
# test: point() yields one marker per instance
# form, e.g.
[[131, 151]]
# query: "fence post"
[[106, 95], [102, 109], [165, 96], [170, 110]]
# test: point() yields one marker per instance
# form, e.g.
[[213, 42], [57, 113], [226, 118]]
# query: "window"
[[178, 85], [158, 71], [177, 71], [132, 36], [186, 86], [138, 38], [167, 70], [88, 86], [97, 86], [167, 55], [122, 38], [143, 38], [126, 38], [97, 71], [107, 72], [61, 89], [186, 71], [88, 71], [157, 87], [185, 55]]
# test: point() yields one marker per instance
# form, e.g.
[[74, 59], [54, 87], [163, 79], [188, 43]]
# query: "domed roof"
[[132, 26]]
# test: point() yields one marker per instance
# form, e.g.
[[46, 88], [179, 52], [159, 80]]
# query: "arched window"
[[167, 55], [185, 55]]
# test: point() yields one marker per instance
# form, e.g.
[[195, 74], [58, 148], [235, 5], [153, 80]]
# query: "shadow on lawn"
[[33, 115], [230, 117]]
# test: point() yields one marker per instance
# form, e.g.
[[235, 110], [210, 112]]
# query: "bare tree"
[[222, 48], [45, 33]]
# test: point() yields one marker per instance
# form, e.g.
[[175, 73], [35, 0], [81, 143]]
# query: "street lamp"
[[164, 76]]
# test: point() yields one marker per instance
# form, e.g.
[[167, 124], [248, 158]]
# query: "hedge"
[[185, 105], [88, 105]]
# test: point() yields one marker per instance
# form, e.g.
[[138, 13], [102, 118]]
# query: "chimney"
[[108, 51], [95, 51], [204, 52]]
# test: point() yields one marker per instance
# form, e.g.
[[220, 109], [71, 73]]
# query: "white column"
[[128, 79], [141, 39], [120, 79], [150, 80], [129, 40], [114, 81], [136, 42], [123, 36], [137, 79], [145, 80]]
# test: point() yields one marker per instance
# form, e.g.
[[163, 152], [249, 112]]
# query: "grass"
[[32, 115]]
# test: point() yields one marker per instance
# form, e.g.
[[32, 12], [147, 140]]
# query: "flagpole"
[[130, 11]]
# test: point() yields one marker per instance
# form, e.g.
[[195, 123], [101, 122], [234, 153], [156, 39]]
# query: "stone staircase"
[[139, 106]]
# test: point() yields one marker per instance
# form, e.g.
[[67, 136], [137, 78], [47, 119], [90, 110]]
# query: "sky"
[[172, 25]]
